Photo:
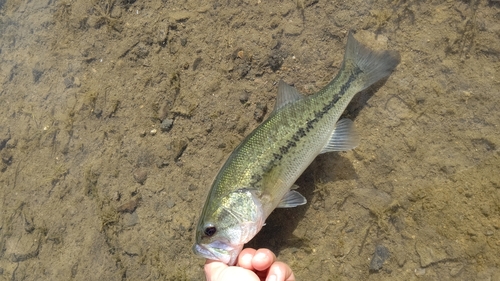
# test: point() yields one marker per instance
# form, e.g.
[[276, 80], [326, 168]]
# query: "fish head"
[[227, 224]]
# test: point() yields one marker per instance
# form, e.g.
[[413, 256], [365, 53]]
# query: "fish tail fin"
[[374, 65]]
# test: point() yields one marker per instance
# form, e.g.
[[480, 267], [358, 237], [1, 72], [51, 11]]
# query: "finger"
[[263, 259], [280, 272], [218, 271], [245, 258], [213, 269], [236, 273]]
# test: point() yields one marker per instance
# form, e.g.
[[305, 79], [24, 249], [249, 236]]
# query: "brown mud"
[[117, 114]]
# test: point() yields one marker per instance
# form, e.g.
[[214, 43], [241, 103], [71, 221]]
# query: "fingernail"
[[247, 257], [272, 278], [260, 256]]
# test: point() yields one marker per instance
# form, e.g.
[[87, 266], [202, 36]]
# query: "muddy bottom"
[[116, 116]]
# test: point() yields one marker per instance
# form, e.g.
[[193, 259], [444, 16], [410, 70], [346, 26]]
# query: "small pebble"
[[180, 16], [420, 271], [381, 254], [209, 128], [260, 112], [11, 143], [98, 112], [68, 82], [178, 146], [242, 126], [116, 196], [170, 203], [140, 175], [130, 206], [184, 195], [130, 219], [166, 125], [76, 82], [132, 249], [37, 74], [7, 159], [153, 132], [162, 163], [456, 269], [115, 13], [244, 97], [197, 63]]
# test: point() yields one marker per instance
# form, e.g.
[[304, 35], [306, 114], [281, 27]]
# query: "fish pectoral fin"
[[292, 199], [286, 94], [344, 137]]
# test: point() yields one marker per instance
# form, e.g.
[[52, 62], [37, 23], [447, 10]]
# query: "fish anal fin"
[[344, 137]]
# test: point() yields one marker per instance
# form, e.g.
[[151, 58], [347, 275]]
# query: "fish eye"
[[210, 230]]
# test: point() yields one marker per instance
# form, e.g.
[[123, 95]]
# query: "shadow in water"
[[277, 234], [360, 100]]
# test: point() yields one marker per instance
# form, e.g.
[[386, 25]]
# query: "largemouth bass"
[[259, 174]]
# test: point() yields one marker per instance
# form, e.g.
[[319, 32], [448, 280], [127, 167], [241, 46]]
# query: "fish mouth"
[[203, 251], [224, 253]]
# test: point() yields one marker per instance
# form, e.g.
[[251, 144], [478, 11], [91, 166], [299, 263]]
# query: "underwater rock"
[[379, 257], [166, 125], [140, 175]]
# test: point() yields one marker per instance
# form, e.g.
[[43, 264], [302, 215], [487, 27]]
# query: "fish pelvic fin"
[[292, 199], [374, 65]]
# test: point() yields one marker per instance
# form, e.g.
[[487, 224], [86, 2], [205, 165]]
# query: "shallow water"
[[92, 188]]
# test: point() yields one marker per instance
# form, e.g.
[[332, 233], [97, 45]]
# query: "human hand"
[[253, 265]]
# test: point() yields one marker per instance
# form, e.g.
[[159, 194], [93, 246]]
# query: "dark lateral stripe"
[[302, 132], [331, 104]]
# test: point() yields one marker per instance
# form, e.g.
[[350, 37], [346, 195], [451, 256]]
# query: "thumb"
[[213, 269]]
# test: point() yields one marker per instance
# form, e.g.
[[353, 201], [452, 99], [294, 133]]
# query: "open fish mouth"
[[225, 253], [204, 252]]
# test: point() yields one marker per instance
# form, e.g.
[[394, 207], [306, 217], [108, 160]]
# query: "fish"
[[260, 173]]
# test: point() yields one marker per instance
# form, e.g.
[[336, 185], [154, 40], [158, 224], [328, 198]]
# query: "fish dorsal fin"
[[286, 94], [292, 199], [344, 137]]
